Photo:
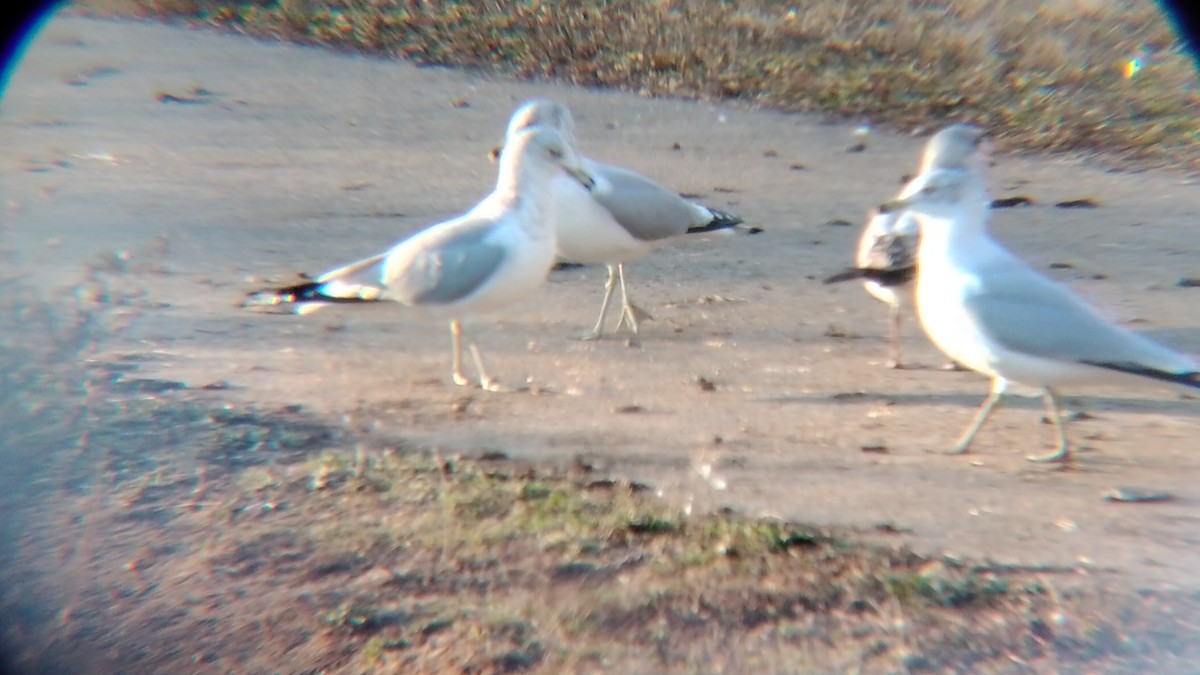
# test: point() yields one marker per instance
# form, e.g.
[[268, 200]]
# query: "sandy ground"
[[297, 159]]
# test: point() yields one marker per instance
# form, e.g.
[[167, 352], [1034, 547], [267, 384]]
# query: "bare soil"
[[203, 166]]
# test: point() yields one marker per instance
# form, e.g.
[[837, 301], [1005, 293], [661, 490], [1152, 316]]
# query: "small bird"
[[887, 263], [495, 254], [887, 249], [621, 218], [992, 313]]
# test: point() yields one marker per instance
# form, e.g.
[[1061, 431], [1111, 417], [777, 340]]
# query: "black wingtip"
[[845, 275], [895, 277], [307, 291], [725, 219], [721, 220], [1188, 379], [310, 291]]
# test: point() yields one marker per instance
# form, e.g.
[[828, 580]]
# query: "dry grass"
[[1040, 75]]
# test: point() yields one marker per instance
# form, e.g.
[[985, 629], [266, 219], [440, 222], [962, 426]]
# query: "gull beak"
[[581, 175], [893, 205], [910, 194], [494, 153]]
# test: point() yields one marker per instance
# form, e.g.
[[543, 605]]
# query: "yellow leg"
[[985, 411], [486, 382], [631, 314], [1063, 453], [894, 337], [609, 286], [460, 378]]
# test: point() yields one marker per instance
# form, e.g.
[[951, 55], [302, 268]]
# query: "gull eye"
[[556, 153]]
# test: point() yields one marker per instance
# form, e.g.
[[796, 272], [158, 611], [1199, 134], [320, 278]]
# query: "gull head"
[[956, 146], [539, 149], [538, 112], [543, 112], [934, 193]]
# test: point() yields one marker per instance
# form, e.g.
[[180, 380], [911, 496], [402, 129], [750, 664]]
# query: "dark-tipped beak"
[[892, 206], [583, 177]]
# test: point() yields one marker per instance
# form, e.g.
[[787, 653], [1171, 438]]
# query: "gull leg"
[[486, 382], [1063, 454], [985, 411], [631, 314], [460, 378], [609, 287], [894, 337]]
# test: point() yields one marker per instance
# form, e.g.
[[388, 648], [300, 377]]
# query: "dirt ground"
[[222, 164]]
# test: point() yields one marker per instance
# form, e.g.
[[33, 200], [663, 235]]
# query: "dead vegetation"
[[161, 530], [1070, 75]]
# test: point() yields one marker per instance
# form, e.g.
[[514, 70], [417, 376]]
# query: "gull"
[[886, 262], [482, 261], [887, 249], [621, 218], [992, 313]]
